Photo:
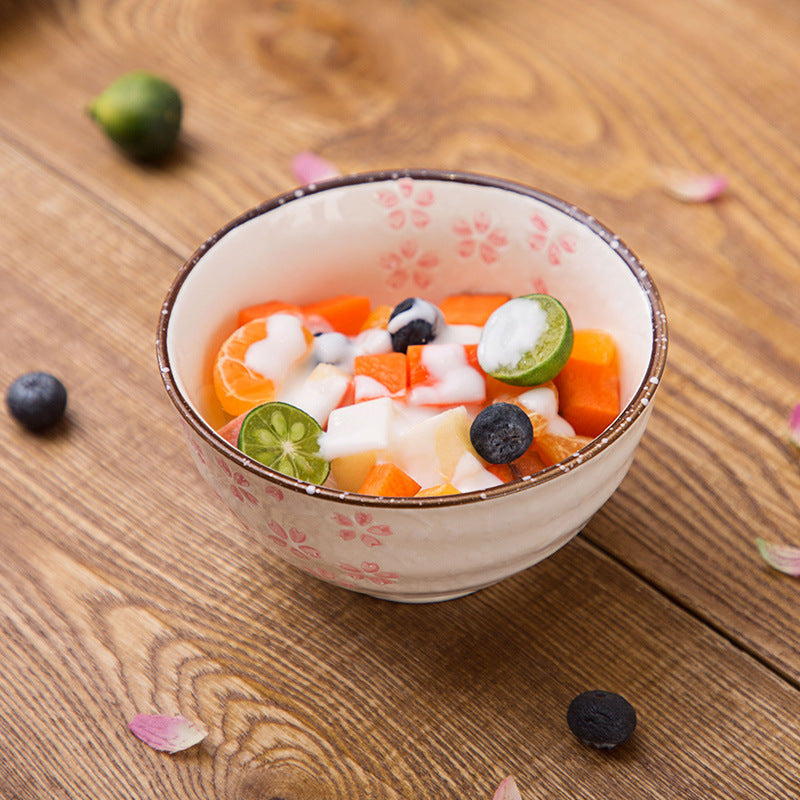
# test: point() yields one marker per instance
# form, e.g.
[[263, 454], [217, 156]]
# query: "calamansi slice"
[[286, 439], [526, 341]]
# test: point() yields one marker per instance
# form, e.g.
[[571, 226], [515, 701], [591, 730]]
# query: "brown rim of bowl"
[[642, 397]]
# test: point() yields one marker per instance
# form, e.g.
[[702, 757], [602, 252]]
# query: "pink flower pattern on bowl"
[[293, 540], [409, 264], [480, 236], [555, 247], [361, 526], [407, 205], [370, 571]]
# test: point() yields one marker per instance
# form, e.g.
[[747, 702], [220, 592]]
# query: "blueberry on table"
[[601, 719], [36, 400], [501, 433], [413, 321]]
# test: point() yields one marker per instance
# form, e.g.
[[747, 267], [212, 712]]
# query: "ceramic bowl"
[[392, 235]]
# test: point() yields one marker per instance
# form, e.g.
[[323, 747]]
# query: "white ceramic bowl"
[[392, 235]]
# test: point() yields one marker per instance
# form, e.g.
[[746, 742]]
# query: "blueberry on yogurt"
[[413, 321], [501, 433]]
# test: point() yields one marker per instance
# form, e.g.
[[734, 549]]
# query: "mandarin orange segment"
[[238, 387], [552, 448]]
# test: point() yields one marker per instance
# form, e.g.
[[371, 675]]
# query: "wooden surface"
[[125, 587]]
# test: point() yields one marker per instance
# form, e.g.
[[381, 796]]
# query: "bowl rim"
[[624, 421]]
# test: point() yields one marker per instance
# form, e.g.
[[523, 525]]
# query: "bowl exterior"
[[425, 553]]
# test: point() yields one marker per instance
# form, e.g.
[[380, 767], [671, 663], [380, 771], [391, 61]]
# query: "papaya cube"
[[380, 375]]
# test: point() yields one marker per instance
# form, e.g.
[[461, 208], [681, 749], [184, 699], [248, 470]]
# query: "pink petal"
[[554, 255], [272, 491], [462, 228], [277, 530], [537, 241], [428, 260], [387, 199], [370, 541], [169, 734], [507, 790], [422, 280], [497, 238], [408, 248], [419, 218], [296, 535], [794, 426], [397, 218], [483, 222], [380, 530], [466, 248], [363, 518], [539, 224], [342, 519], [406, 186], [691, 187], [424, 197], [308, 167], [488, 253], [568, 243], [782, 557]]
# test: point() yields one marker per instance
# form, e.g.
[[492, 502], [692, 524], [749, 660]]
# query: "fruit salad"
[[416, 399]]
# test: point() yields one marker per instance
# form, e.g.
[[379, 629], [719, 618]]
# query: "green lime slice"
[[526, 341], [284, 438], [139, 112]]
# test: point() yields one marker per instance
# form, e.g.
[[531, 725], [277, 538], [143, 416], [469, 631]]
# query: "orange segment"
[[265, 309], [238, 387], [552, 449]]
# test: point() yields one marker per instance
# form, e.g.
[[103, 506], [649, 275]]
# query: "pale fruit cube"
[[321, 392], [357, 428], [350, 472], [430, 450], [471, 476]]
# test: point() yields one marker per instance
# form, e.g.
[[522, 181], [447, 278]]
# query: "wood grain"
[[125, 588]]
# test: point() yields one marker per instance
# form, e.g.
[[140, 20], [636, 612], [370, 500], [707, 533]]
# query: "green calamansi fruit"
[[141, 113]]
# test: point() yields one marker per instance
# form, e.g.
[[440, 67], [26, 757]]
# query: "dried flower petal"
[[169, 734], [691, 187], [308, 167], [507, 790], [782, 557], [794, 426]]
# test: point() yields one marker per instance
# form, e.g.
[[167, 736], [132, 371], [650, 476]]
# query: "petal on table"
[[691, 187], [169, 734], [782, 557]]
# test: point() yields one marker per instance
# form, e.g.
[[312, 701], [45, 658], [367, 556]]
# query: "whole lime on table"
[[141, 113]]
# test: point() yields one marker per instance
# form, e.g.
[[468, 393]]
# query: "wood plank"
[[541, 97], [124, 588]]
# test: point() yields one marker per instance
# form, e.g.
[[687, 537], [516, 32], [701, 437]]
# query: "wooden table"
[[125, 587]]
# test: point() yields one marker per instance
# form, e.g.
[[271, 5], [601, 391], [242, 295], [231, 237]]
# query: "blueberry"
[[501, 433], [601, 719], [414, 321], [36, 400]]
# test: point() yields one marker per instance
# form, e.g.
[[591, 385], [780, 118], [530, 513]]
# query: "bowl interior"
[[392, 236]]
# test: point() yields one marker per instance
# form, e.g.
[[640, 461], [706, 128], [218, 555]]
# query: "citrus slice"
[[286, 439], [239, 386], [526, 341]]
